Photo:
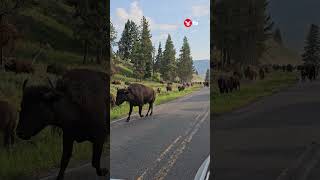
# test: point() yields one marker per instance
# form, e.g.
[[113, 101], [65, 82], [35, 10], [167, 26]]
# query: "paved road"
[[270, 139], [171, 144]]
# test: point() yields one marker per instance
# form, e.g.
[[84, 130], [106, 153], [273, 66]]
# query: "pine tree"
[[128, 37], [207, 77], [312, 49], [146, 47], [185, 63], [168, 66], [241, 29], [277, 36], [158, 60], [137, 58], [113, 36]]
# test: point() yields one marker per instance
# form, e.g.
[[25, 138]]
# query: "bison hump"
[[86, 88]]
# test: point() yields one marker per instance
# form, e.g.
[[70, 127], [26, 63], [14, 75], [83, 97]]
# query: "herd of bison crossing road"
[[230, 83], [77, 104], [138, 95]]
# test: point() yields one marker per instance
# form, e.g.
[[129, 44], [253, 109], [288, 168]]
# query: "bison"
[[112, 100], [261, 73], [250, 73], [181, 88], [77, 105], [169, 88], [8, 122], [137, 95], [158, 90], [206, 84], [116, 82], [19, 66], [223, 86], [234, 83]]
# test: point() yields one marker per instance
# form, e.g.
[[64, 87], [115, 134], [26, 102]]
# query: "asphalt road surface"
[[171, 144], [270, 139]]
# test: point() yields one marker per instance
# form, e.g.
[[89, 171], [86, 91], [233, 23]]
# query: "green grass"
[[221, 103]]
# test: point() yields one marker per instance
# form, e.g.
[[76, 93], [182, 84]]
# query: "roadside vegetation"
[[250, 92], [136, 60], [40, 33], [247, 67]]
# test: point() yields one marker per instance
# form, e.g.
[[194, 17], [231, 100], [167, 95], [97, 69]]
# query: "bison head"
[[36, 110], [122, 96]]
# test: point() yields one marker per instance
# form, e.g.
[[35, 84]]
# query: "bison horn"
[[24, 84]]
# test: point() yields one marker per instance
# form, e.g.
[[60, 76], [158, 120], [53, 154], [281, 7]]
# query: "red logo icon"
[[187, 23]]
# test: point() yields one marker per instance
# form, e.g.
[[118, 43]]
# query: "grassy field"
[[221, 103]]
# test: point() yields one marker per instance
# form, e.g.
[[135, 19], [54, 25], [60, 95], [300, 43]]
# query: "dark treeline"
[[240, 30], [89, 22], [135, 46], [311, 53]]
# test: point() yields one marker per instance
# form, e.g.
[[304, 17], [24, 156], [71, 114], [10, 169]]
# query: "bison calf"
[[8, 122], [136, 95]]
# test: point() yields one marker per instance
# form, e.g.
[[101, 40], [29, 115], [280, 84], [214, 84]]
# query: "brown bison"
[[116, 82], [169, 88], [19, 66], [161, 82], [112, 100], [223, 85], [237, 74], [206, 84], [56, 69], [181, 88], [233, 83], [136, 95], [261, 73], [158, 90], [250, 73], [77, 105], [8, 122]]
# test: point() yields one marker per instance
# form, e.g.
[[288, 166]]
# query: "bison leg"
[[140, 110], [66, 155], [130, 111], [96, 156], [150, 106]]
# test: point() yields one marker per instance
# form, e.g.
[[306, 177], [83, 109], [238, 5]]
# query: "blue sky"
[[167, 17]]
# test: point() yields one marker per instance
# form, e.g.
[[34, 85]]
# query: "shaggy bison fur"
[[137, 95], [77, 105]]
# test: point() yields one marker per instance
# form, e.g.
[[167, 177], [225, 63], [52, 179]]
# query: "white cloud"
[[200, 10], [135, 14], [159, 38]]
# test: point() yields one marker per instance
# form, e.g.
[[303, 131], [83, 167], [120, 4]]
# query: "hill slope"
[[278, 54]]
